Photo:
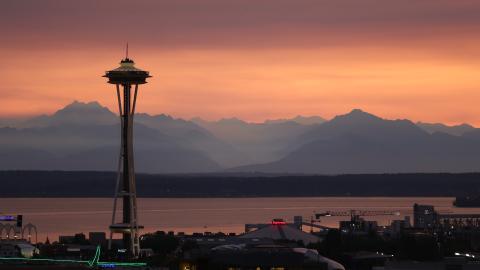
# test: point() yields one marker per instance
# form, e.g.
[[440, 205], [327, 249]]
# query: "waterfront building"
[[97, 238], [424, 216]]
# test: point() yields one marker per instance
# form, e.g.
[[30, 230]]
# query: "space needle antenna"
[[126, 51]]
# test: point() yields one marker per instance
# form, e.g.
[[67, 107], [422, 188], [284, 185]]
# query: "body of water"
[[57, 216]]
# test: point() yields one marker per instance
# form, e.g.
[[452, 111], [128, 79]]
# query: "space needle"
[[126, 78]]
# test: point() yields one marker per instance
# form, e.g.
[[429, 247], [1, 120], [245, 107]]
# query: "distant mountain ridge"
[[359, 142], [85, 136], [76, 113], [198, 137], [456, 130]]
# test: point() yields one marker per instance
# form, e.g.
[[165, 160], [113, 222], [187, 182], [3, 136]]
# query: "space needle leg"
[[119, 167]]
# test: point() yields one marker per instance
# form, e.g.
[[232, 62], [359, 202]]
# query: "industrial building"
[[426, 217]]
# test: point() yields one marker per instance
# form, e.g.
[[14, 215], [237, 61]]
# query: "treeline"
[[101, 184]]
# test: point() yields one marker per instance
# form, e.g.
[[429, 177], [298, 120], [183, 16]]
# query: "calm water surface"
[[54, 216]]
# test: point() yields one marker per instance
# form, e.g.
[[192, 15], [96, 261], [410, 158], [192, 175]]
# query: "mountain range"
[[359, 142], [85, 136]]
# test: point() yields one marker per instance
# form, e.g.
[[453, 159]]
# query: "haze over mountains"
[[260, 142], [85, 136]]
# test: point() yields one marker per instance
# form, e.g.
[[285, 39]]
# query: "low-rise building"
[[17, 248]]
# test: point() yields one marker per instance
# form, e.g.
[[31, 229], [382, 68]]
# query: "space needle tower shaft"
[[126, 78]]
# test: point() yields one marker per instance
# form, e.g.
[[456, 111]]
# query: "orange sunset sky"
[[415, 59]]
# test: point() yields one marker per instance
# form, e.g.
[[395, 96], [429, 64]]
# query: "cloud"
[[248, 58], [235, 23]]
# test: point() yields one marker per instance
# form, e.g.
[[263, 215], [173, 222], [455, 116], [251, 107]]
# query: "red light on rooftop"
[[278, 222]]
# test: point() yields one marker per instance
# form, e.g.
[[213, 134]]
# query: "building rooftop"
[[282, 231]]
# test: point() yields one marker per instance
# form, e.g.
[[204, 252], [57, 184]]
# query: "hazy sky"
[[416, 59]]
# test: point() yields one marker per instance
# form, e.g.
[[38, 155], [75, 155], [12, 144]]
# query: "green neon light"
[[74, 261], [93, 262], [95, 259], [40, 260]]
